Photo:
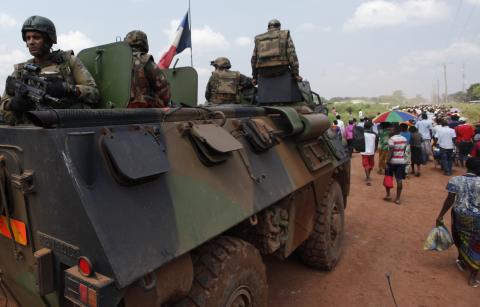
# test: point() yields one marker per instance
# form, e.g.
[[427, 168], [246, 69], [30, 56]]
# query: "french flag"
[[183, 39]]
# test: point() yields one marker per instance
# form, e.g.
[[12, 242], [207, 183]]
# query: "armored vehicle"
[[164, 207]]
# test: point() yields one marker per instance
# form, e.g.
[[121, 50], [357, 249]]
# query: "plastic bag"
[[438, 239], [388, 182]]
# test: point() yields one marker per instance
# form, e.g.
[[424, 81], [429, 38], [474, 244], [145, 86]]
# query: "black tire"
[[323, 248], [228, 272]]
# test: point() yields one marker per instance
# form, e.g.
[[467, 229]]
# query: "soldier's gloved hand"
[[298, 78], [20, 102], [60, 89], [254, 82]]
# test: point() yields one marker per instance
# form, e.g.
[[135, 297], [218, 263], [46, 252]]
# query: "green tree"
[[349, 109], [457, 97], [473, 92]]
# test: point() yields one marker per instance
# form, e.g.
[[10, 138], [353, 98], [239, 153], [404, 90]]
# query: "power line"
[[445, 77], [468, 20], [459, 7], [450, 37]]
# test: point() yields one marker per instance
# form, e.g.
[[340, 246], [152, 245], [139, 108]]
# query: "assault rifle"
[[33, 86]]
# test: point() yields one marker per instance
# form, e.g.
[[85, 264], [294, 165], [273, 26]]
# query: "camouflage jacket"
[[150, 88], [62, 65], [225, 86], [274, 49]]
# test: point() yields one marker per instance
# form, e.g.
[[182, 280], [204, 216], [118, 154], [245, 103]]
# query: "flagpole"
[[190, 25]]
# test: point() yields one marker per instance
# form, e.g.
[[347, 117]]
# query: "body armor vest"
[[140, 91], [226, 86], [272, 48], [56, 68]]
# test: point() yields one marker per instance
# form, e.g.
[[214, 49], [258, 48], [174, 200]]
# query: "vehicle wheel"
[[323, 248], [228, 272]]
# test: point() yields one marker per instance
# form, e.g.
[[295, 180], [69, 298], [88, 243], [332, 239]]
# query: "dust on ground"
[[381, 237]]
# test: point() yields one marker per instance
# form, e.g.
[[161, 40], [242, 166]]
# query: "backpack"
[[358, 139]]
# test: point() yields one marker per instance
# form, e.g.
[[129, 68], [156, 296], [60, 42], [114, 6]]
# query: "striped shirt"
[[398, 144]]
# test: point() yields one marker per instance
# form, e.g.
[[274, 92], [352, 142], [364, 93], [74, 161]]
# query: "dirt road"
[[381, 237]]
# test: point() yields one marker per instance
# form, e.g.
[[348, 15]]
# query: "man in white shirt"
[[368, 156], [396, 163], [361, 123], [445, 139], [424, 126], [340, 124]]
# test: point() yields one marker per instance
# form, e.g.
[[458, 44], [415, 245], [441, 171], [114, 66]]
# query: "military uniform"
[[224, 85], [78, 88], [274, 54], [149, 88]]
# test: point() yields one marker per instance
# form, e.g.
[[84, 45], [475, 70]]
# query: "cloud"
[[310, 27], [243, 41], [474, 2], [382, 13], [7, 21], [7, 59], [204, 39], [203, 72], [74, 40], [456, 50]]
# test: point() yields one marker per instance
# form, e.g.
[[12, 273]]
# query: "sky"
[[345, 48]]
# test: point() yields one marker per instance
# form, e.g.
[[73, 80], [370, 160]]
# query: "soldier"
[[66, 78], [224, 85], [150, 88], [274, 53]]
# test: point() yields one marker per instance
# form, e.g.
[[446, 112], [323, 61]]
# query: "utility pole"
[[445, 77], [463, 82], [438, 91]]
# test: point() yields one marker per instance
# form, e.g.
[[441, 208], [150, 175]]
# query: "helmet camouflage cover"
[[42, 25], [274, 23], [137, 39], [221, 62]]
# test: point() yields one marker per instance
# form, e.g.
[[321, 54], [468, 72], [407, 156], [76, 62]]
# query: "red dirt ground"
[[381, 237]]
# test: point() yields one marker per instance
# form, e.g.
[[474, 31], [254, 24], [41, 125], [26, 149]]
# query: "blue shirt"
[[467, 190], [406, 135]]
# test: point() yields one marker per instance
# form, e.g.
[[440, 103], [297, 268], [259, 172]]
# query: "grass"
[[469, 110], [369, 109]]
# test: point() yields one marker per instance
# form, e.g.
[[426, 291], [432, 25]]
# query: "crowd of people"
[[435, 134]]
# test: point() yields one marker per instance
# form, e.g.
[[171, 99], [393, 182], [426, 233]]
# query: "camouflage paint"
[[129, 231]]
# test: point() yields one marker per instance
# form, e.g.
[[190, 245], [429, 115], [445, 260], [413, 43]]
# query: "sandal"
[[397, 201], [475, 283], [369, 183], [387, 198], [417, 175]]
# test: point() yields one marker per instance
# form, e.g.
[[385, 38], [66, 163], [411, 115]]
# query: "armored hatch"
[[183, 84], [111, 67]]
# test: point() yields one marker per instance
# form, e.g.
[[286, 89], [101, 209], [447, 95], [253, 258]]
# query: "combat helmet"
[[42, 25], [221, 62], [137, 39], [274, 23]]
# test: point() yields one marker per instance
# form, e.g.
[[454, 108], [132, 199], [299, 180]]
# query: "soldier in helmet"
[[66, 77], [224, 85], [274, 53], [150, 88]]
